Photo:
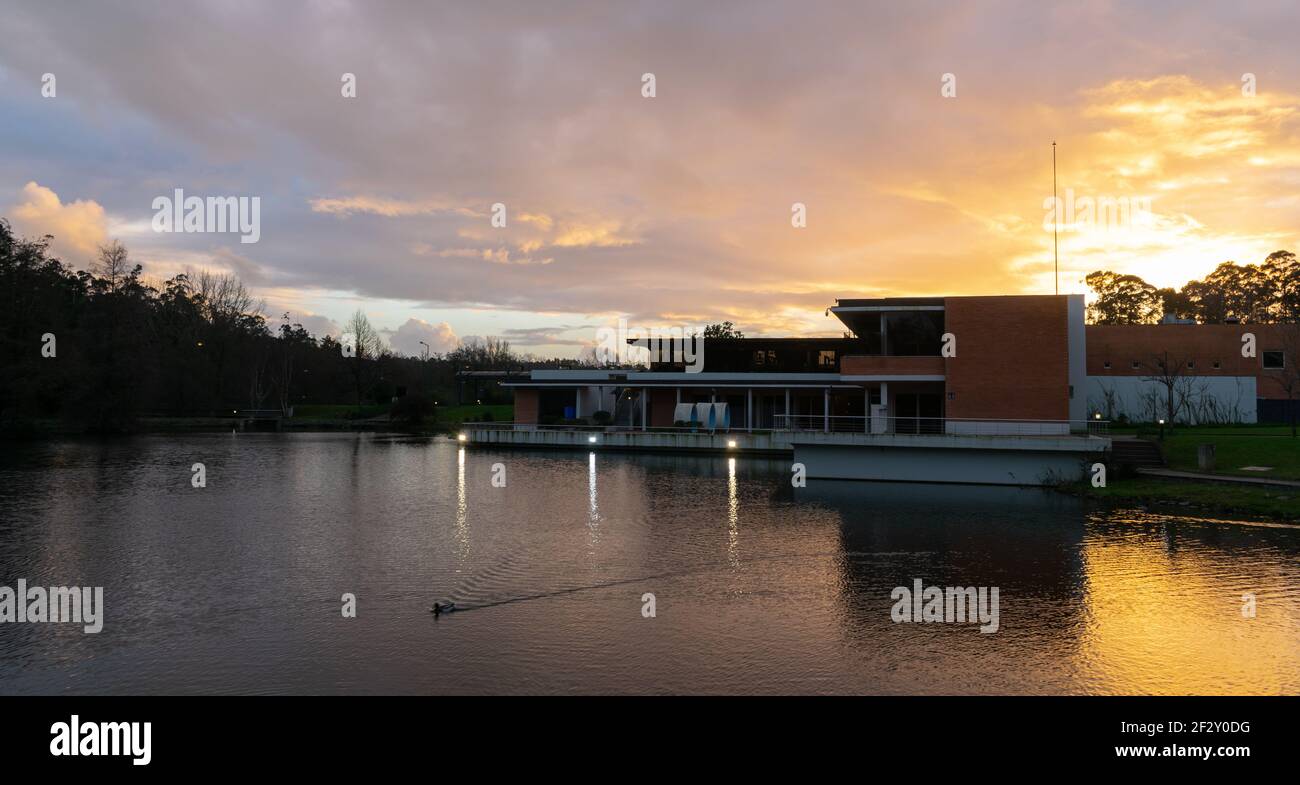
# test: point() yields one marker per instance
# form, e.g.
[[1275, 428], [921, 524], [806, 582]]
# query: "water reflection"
[[1167, 608], [593, 507], [1090, 602], [462, 506], [733, 516]]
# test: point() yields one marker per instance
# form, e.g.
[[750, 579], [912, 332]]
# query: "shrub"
[[602, 418], [413, 411]]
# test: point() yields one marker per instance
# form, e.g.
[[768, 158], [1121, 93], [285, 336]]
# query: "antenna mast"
[[1056, 217]]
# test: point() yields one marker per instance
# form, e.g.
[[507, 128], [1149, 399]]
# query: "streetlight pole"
[[424, 367], [1056, 215]]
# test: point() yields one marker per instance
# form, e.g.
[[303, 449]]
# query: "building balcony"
[[886, 366]]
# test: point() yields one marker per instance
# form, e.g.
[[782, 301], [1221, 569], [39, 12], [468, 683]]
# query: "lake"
[[758, 586]]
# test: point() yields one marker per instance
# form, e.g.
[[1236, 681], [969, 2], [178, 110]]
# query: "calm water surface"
[[760, 587]]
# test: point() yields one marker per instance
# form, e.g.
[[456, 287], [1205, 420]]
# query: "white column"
[[788, 424], [577, 403], [749, 408], [866, 410], [884, 401], [645, 393], [826, 410]]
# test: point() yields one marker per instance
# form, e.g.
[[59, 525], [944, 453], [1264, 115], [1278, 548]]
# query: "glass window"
[[1274, 360]]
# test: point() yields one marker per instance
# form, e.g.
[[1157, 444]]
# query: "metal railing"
[[946, 426], [936, 426], [498, 425]]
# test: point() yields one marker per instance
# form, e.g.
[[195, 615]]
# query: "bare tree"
[[224, 298], [1167, 372], [113, 265], [367, 350], [229, 310]]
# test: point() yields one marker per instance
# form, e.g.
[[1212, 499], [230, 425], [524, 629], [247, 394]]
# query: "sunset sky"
[[668, 210]]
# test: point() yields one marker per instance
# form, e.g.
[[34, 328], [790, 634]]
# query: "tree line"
[[1266, 293], [100, 348]]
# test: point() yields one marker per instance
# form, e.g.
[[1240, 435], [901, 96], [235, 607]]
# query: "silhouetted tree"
[[1122, 299], [723, 330]]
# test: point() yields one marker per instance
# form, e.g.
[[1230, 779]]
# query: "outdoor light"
[[461, 437], [1097, 416], [731, 443], [1162, 421], [591, 439]]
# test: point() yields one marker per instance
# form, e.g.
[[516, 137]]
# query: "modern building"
[[906, 365], [1017, 364], [998, 390], [1218, 373]]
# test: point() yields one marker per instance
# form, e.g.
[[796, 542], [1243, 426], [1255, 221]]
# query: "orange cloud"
[[79, 227]]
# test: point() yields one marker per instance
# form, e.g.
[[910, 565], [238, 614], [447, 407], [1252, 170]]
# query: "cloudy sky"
[[666, 210]]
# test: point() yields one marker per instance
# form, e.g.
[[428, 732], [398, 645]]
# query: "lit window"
[[826, 358]]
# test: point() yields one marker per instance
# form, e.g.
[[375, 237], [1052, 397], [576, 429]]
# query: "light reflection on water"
[[236, 587]]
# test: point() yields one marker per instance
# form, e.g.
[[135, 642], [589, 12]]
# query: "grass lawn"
[[337, 411], [1235, 448], [1278, 503], [455, 415]]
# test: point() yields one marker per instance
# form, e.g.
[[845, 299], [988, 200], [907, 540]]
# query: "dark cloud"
[[675, 208]]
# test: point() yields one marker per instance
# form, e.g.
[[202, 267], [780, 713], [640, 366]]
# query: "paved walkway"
[[1228, 478]]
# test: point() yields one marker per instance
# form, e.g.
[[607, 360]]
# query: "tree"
[[367, 350], [1122, 299], [1231, 291], [113, 265], [292, 341], [723, 330], [1168, 373], [1281, 273], [1175, 302]]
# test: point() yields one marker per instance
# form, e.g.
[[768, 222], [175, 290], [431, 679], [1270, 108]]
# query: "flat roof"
[[887, 302]]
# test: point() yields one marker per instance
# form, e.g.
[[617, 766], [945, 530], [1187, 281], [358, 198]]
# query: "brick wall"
[[1012, 358], [525, 405], [1203, 344]]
